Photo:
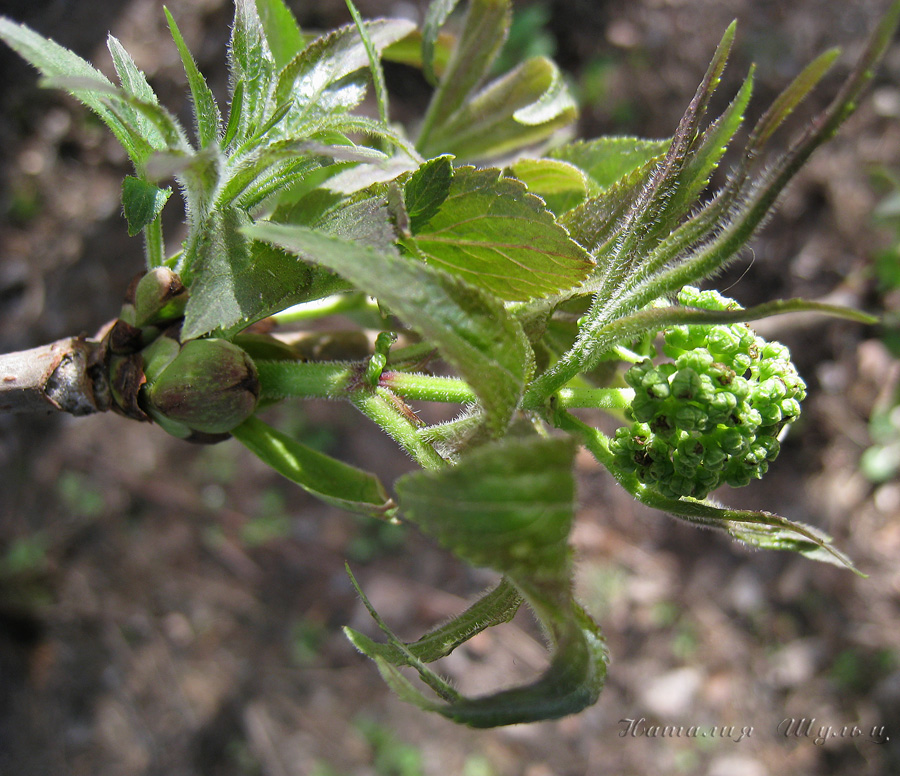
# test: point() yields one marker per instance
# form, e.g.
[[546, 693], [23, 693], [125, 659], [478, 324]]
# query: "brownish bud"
[[159, 296]]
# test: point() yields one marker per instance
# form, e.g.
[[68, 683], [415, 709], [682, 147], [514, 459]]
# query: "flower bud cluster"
[[713, 414], [198, 390]]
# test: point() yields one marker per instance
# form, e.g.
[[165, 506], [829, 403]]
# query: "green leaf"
[[561, 185], [234, 114], [320, 475], [485, 30], [507, 505], [381, 94], [472, 330], [596, 222], [316, 79], [522, 108], [495, 235], [142, 202], [237, 282], [282, 32], [133, 81], [757, 197], [658, 318], [495, 607], [409, 51], [426, 190], [207, 118], [791, 97], [251, 63], [437, 13], [608, 160]]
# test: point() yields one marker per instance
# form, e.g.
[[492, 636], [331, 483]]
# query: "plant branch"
[[65, 376]]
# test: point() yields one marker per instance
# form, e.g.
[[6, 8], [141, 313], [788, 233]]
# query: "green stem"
[[418, 387], [382, 407], [153, 244], [594, 440], [306, 379], [597, 398]]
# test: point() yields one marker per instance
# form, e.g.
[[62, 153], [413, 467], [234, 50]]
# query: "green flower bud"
[[770, 414], [210, 386], [790, 408], [685, 384]]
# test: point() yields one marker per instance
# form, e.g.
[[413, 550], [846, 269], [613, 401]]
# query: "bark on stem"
[[64, 376]]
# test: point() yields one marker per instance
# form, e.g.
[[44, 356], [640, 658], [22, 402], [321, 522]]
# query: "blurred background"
[[169, 609]]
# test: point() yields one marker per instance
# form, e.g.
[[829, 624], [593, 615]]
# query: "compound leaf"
[[484, 32], [508, 505], [87, 84], [317, 78]]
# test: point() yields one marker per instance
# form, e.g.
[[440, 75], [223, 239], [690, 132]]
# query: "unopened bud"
[[210, 386], [159, 296]]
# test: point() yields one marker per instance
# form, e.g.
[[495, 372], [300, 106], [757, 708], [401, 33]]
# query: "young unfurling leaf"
[[508, 506]]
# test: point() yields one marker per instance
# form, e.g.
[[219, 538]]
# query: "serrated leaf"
[[484, 32], [495, 235], [607, 160], [472, 330], [133, 81], [207, 118], [561, 185], [281, 29], [522, 108], [142, 202], [597, 221], [426, 190], [320, 475]]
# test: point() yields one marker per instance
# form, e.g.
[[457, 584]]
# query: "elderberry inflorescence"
[[714, 413]]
